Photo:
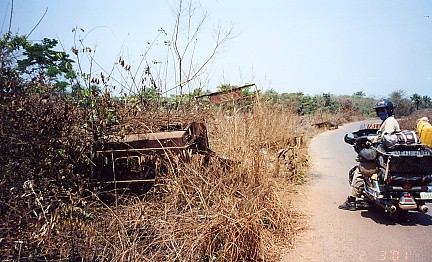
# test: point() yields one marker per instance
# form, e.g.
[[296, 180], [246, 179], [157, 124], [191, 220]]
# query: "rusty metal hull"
[[132, 162]]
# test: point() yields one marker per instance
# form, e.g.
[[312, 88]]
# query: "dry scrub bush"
[[44, 163], [410, 122]]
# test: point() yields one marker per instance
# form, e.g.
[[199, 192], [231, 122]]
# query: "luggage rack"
[[417, 153], [405, 161], [404, 150]]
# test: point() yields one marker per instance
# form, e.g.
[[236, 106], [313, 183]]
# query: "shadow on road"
[[411, 219]]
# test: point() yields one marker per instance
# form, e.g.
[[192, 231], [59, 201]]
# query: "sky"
[[310, 46]]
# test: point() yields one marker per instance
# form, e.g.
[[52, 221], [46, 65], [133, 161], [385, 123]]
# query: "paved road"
[[363, 235]]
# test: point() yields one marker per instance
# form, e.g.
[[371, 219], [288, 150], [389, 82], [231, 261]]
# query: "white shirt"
[[389, 126]]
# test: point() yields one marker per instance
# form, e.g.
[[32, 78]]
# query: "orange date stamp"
[[386, 255]]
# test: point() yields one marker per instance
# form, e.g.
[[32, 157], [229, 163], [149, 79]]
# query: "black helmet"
[[384, 103]]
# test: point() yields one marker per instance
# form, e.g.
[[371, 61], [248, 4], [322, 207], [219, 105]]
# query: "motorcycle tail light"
[[406, 186], [406, 194]]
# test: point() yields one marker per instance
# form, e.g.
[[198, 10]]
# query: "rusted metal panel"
[[160, 140], [232, 95], [197, 138], [194, 137], [128, 161], [220, 97]]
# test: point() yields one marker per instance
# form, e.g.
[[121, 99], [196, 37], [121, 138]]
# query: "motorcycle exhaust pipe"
[[423, 208], [392, 209]]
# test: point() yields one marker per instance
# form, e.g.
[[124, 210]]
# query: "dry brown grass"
[[228, 210]]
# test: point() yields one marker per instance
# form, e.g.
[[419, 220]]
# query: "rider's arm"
[[373, 139]]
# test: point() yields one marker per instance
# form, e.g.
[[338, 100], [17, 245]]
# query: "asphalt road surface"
[[362, 235]]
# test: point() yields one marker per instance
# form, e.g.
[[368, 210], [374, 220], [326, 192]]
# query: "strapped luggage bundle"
[[404, 138]]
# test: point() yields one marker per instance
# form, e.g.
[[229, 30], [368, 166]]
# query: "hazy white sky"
[[312, 46]]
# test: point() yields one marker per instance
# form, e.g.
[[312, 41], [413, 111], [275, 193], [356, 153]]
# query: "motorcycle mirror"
[[349, 138]]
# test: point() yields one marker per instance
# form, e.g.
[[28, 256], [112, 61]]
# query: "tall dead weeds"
[[232, 209]]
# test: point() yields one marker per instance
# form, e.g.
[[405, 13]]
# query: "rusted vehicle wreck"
[[131, 163]]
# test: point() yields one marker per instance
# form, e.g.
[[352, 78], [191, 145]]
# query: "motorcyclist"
[[384, 109]]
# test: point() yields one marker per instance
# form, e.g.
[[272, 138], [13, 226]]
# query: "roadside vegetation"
[[236, 208]]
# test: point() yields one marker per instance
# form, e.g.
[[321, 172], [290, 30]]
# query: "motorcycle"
[[397, 170]]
